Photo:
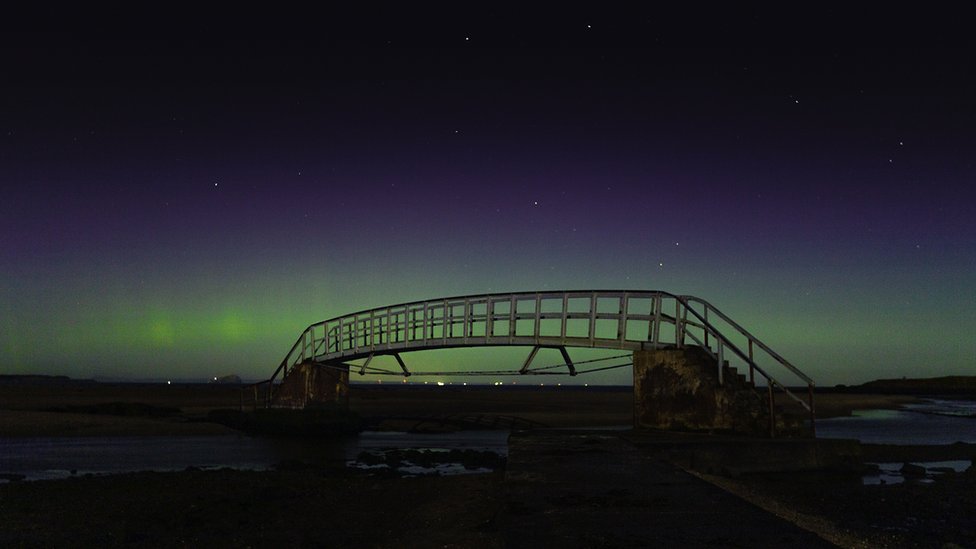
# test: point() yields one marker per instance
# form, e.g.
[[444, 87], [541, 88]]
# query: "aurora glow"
[[176, 212]]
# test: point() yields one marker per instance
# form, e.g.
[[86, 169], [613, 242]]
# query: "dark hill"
[[42, 380], [947, 385]]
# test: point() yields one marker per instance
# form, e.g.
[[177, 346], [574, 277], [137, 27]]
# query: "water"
[[495, 441], [54, 458], [934, 422], [930, 423], [890, 473], [950, 408]]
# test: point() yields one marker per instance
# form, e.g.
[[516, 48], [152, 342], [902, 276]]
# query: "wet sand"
[[25, 409], [830, 405]]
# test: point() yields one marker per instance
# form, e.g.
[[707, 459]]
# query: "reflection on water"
[[934, 422], [48, 458], [890, 473], [52, 458], [952, 408]]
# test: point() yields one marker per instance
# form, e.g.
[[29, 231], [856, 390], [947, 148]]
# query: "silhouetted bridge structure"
[[633, 321]]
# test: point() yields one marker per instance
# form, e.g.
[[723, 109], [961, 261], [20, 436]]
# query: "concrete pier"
[[309, 384], [679, 389]]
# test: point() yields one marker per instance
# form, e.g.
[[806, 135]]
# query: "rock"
[[871, 469], [971, 471], [910, 470]]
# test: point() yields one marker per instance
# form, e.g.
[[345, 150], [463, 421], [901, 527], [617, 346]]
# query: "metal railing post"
[[813, 419], [752, 374], [721, 360], [592, 332], [537, 321], [706, 331], [658, 307]]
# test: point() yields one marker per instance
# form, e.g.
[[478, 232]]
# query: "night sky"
[[180, 202]]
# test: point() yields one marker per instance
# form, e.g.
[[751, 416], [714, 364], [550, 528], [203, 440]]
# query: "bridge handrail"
[[758, 342], [726, 342]]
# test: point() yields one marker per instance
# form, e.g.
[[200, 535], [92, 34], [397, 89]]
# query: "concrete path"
[[594, 489]]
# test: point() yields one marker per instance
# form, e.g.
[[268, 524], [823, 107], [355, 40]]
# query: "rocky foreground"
[[565, 489]]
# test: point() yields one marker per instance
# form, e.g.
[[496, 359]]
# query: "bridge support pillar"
[[310, 384], [680, 389]]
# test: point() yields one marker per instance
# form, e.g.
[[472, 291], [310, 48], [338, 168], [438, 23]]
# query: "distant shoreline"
[[39, 406], [956, 386]]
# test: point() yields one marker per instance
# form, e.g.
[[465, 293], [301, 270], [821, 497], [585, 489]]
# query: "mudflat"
[[328, 505], [71, 409]]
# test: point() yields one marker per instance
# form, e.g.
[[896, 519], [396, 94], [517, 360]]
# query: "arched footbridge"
[[627, 320]]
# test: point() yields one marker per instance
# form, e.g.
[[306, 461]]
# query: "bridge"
[[635, 321]]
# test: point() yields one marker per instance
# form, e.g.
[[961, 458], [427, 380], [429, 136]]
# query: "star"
[[535, 203]]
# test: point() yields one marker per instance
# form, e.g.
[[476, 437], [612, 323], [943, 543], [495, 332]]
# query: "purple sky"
[[182, 203]]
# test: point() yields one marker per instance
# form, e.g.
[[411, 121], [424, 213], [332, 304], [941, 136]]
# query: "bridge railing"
[[612, 319], [607, 319]]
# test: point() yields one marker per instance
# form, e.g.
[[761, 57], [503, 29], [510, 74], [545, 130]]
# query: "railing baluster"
[[444, 324], [592, 334], [563, 318], [721, 360], [658, 303], [622, 320], [355, 333], [678, 335], [512, 319], [538, 318], [489, 318], [706, 322], [752, 372]]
